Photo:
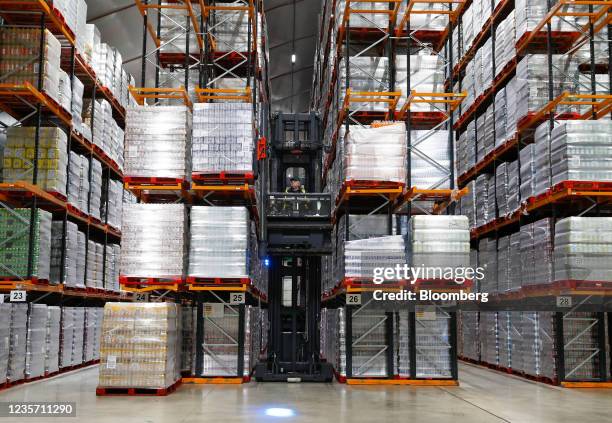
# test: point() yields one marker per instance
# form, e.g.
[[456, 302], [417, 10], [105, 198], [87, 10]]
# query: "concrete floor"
[[484, 396]]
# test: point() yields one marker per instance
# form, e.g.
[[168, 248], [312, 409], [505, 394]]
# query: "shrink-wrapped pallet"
[[153, 240], [20, 154], [140, 346], [68, 241], [21, 58], [582, 249], [219, 243], [377, 154], [438, 242], [52, 339], [222, 138], [157, 141], [36, 342], [15, 236]]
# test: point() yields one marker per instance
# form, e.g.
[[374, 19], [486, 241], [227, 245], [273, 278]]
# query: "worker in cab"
[[295, 187]]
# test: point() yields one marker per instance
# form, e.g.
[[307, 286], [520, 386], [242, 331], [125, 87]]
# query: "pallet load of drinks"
[[523, 342], [371, 325], [47, 253], [37, 340]]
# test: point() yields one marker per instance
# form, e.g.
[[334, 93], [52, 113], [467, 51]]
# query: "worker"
[[295, 186]]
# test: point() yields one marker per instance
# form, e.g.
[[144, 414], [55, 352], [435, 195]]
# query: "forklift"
[[296, 234]]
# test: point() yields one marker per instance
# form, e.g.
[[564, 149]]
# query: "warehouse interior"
[[206, 207]]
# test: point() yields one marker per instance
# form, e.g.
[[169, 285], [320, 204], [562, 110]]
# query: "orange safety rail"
[[19, 100], [236, 94], [19, 193], [562, 192], [391, 98], [601, 9], [389, 190], [177, 5], [384, 9], [140, 94], [33, 285], [16, 192], [54, 21], [452, 100], [601, 104]]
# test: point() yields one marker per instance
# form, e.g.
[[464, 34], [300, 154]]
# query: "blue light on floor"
[[267, 262], [280, 412]]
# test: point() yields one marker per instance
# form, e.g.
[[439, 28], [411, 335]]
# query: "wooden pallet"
[[159, 392]]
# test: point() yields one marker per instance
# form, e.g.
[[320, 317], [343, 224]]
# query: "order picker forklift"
[[297, 233]]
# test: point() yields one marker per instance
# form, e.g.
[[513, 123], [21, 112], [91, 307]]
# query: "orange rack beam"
[[142, 93], [601, 10], [391, 98], [453, 100], [390, 190], [18, 101], [384, 9], [562, 192], [600, 105], [236, 94]]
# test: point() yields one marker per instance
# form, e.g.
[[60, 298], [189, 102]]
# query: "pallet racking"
[[568, 198], [209, 70]]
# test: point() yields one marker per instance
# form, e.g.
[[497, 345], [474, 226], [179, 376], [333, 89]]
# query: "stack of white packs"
[[438, 241], [71, 253], [376, 153], [219, 244], [153, 240], [18, 338], [5, 332], [581, 151], [222, 137], [52, 339], [583, 249], [157, 141], [36, 343], [361, 257]]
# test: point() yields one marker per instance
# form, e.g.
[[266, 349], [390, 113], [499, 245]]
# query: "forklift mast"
[[297, 233]]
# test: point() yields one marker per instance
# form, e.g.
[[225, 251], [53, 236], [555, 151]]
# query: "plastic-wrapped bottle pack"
[[157, 141], [153, 240], [582, 249], [140, 345], [14, 230]]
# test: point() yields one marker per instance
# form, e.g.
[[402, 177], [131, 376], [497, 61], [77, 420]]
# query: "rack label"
[[564, 302], [353, 299], [141, 297], [237, 298], [18, 296]]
